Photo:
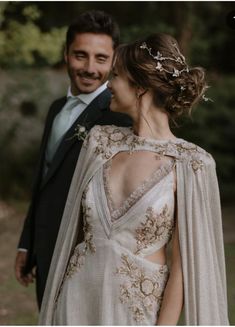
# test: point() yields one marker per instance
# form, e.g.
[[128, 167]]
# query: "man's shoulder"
[[55, 106], [58, 102]]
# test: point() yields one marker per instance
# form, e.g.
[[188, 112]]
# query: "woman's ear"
[[140, 92]]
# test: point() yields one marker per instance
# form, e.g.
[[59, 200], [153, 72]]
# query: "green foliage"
[[32, 34], [24, 44]]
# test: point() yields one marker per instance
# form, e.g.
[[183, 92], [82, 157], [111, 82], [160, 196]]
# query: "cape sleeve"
[[88, 162], [201, 242]]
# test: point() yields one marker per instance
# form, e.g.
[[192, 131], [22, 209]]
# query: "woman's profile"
[[137, 191]]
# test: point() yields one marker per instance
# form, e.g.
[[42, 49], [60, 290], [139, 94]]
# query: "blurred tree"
[[24, 44], [32, 33]]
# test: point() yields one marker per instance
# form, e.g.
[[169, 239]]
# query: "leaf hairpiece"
[[160, 58]]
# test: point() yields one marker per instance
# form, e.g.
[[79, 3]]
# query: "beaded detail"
[[140, 290], [134, 197], [197, 165], [77, 259], [109, 137], [156, 228]]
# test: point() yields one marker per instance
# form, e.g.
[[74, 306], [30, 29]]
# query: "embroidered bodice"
[[108, 140]]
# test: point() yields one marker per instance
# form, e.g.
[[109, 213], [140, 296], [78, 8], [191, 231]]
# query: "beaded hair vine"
[[159, 58], [178, 59]]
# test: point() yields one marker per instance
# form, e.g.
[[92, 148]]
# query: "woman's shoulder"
[[109, 129], [194, 154], [106, 136], [110, 132]]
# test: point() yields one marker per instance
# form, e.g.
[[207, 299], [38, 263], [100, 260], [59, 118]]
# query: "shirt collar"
[[89, 97]]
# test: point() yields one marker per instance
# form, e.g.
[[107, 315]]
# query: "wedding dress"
[[108, 278]]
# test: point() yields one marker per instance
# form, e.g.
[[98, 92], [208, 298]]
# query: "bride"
[[135, 192]]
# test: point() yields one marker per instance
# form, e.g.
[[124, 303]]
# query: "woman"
[[138, 190]]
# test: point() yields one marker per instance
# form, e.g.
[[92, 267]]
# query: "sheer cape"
[[199, 220]]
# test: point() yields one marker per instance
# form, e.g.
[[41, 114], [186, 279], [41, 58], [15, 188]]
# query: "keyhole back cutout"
[[126, 173]]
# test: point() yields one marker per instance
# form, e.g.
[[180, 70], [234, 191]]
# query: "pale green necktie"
[[60, 126]]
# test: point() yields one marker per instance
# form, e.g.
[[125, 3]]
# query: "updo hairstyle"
[[175, 94]]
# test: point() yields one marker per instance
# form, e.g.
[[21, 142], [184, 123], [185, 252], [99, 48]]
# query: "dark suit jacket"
[[50, 193]]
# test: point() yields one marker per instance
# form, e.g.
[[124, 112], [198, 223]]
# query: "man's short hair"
[[94, 21]]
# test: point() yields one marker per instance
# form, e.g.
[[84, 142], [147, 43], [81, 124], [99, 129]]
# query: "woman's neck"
[[153, 123]]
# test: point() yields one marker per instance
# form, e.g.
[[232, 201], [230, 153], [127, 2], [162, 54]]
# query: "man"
[[90, 44]]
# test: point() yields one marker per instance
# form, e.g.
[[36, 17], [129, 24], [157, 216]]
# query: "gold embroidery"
[[155, 228], [77, 259], [108, 138], [197, 164], [140, 291]]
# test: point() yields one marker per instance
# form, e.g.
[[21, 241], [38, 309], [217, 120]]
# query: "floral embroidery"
[[108, 138], [197, 164], [75, 263], [156, 227], [140, 291], [77, 259]]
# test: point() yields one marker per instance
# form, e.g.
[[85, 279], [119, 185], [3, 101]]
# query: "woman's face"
[[123, 97]]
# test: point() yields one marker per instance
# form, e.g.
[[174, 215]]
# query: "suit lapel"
[[58, 106], [54, 110], [88, 118]]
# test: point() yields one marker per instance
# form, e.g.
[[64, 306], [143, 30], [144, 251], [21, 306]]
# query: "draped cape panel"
[[199, 219]]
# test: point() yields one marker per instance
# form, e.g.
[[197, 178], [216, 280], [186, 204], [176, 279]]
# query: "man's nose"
[[90, 66]]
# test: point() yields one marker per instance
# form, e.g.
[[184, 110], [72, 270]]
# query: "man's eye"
[[79, 55], [102, 59]]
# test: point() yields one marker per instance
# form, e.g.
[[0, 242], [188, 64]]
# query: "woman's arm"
[[173, 295]]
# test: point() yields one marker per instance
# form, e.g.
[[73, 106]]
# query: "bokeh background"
[[33, 74]]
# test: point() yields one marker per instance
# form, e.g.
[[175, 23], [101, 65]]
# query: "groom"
[[90, 44]]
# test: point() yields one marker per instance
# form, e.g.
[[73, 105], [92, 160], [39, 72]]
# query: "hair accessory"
[[159, 58], [206, 99]]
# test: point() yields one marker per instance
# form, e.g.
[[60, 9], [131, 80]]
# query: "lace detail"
[[197, 165], [141, 291], [77, 259], [109, 138], [157, 227], [134, 197]]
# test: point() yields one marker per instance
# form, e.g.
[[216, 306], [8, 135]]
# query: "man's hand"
[[20, 262]]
